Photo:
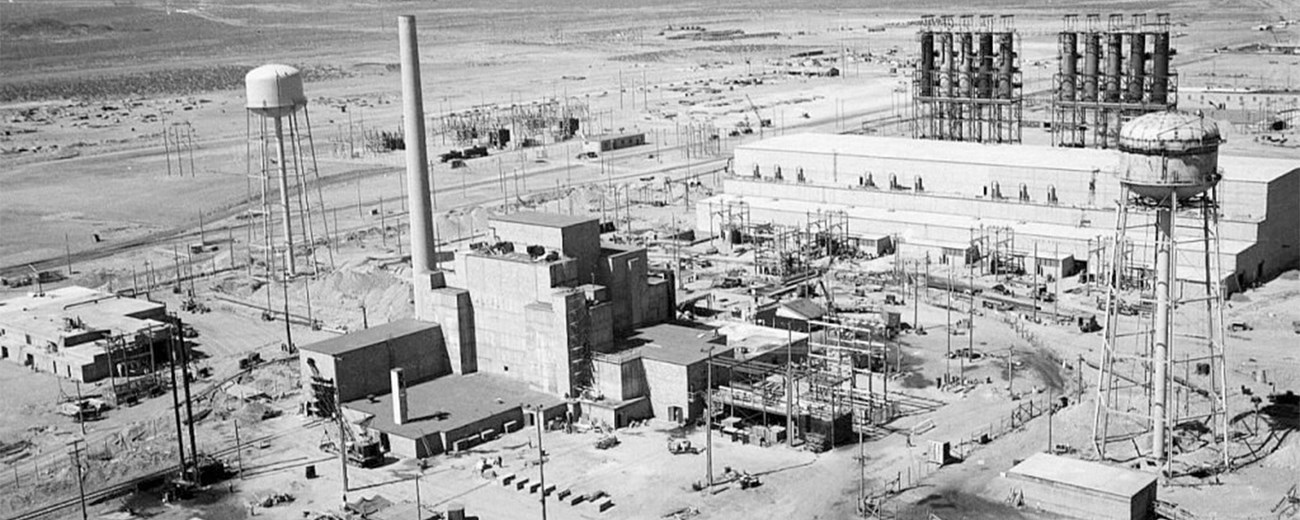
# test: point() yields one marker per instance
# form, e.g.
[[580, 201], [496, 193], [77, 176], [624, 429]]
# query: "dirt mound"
[[50, 28]]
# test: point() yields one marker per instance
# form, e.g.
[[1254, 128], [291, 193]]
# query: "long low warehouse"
[[946, 191]]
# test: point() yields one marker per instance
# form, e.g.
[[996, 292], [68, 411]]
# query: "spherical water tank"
[[274, 90], [1169, 154]]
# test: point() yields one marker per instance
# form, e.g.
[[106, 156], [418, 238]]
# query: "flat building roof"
[[1094, 476], [538, 218], [677, 343], [1236, 168], [367, 337], [450, 402]]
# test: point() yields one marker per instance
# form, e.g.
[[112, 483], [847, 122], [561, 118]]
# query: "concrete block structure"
[[947, 197], [454, 413], [82, 334], [358, 363], [541, 314], [1081, 489], [542, 296]]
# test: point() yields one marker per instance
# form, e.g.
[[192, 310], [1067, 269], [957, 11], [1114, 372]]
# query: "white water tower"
[[1162, 369], [282, 157]]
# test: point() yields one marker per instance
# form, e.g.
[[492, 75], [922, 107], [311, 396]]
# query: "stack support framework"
[[967, 86], [1110, 75]]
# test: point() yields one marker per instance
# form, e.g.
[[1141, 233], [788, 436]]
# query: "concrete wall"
[[404, 447], [364, 371], [673, 385], [623, 271], [453, 310], [1081, 503], [580, 241], [616, 414], [500, 289], [620, 378]]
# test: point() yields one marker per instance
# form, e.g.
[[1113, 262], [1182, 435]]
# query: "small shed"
[[1082, 489]]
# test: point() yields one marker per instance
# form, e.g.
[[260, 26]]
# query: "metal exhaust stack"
[[417, 161], [397, 378]]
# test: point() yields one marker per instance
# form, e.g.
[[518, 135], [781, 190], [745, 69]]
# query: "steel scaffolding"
[[968, 84], [1117, 82]]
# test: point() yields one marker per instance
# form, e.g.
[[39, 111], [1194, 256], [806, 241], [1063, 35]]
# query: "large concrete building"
[[82, 333], [542, 315], [533, 303], [944, 198]]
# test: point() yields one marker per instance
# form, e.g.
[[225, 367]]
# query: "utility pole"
[[419, 506], [947, 370], [67, 254], [970, 326], [916, 291], [708, 423], [1037, 294], [239, 451], [176, 401], [1010, 351], [189, 408], [343, 443], [1051, 410], [541, 458], [81, 485], [789, 386]]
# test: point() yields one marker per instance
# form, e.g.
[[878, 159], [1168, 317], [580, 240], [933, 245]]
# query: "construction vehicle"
[[607, 442], [762, 123], [205, 471], [682, 447], [194, 306], [744, 478], [363, 448], [84, 409]]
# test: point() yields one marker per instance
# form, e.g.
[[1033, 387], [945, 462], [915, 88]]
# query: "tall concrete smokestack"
[[398, 380], [417, 159]]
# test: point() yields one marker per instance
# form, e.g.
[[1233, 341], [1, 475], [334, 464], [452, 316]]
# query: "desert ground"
[[125, 139]]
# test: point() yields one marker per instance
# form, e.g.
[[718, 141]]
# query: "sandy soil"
[[91, 89]]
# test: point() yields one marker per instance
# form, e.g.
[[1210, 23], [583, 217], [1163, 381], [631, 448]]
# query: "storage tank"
[[1169, 153], [985, 83], [1160, 68], [927, 63], [1006, 64], [947, 76], [1091, 64], [274, 90], [1069, 60], [966, 65], [1137, 43], [1114, 65]]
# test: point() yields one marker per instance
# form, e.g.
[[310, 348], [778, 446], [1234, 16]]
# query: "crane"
[[762, 123]]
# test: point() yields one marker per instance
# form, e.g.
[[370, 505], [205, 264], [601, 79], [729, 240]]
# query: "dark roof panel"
[[371, 336]]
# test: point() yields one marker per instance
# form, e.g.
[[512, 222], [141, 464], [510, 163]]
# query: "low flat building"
[[610, 142], [356, 365], [1082, 489], [1060, 199], [666, 365], [454, 413], [82, 333]]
